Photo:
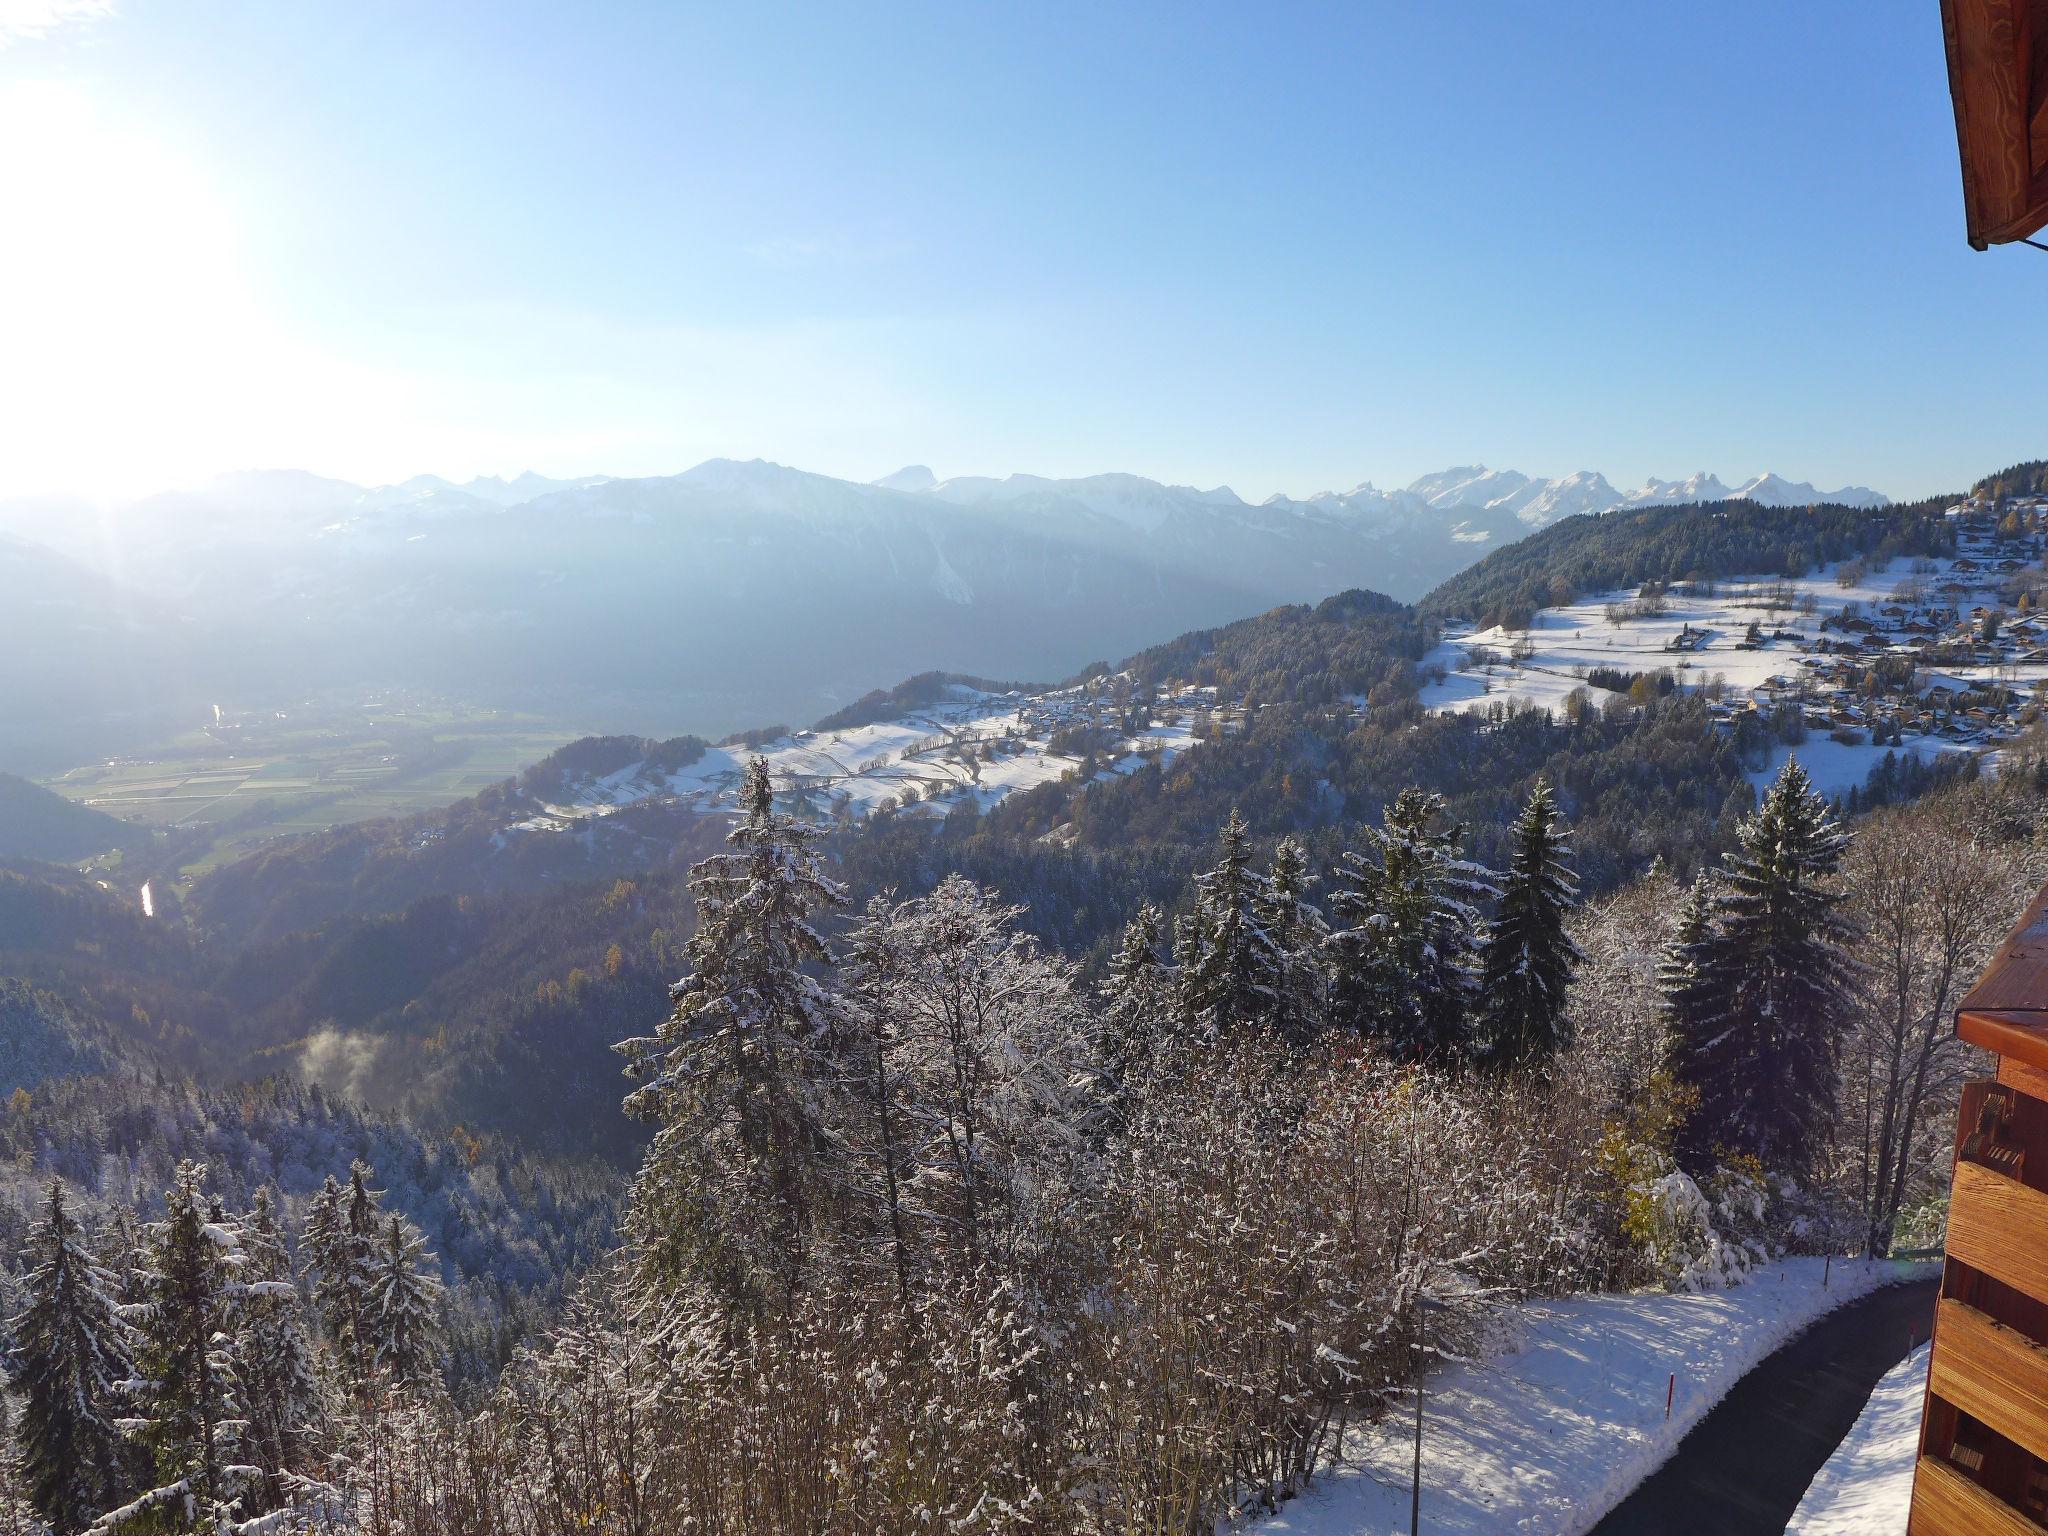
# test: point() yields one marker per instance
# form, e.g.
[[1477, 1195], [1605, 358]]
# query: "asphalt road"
[[1745, 1466]]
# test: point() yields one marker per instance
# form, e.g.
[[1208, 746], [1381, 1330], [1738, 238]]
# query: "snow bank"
[[1555, 1430], [1867, 1484]]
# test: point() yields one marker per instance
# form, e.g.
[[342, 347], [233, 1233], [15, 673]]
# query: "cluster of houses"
[[1957, 651]]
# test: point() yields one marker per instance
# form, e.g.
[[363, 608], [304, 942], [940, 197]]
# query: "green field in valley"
[[232, 785]]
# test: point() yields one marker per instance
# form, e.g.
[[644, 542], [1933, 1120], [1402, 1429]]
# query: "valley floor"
[[1550, 1434]]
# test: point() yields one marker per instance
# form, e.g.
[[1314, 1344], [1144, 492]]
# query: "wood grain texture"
[[2017, 977], [1946, 1503], [2023, 1077], [2021, 1036], [1989, 62], [1992, 1373], [2000, 1226]]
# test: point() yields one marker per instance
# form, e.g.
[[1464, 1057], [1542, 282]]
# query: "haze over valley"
[[724, 597]]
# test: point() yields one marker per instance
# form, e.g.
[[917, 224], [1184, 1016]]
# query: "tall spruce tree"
[[1230, 977], [187, 1406], [1758, 1026], [1136, 1017], [1528, 960], [728, 1193], [1678, 971], [1406, 931], [401, 1306], [280, 1386], [1298, 934], [343, 1226], [70, 1358]]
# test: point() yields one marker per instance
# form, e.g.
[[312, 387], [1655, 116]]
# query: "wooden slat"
[[1992, 1373], [1946, 1503], [2017, 976], [2009, 1032], [2000, 1226], [2023, 1077]]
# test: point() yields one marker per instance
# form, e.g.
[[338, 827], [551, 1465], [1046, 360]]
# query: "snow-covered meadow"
[[973, 745], [1567, 1417], [1701, 637]]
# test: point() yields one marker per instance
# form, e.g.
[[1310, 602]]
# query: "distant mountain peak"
[[911, 477]]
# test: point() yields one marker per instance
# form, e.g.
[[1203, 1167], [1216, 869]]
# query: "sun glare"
[[126, 326]]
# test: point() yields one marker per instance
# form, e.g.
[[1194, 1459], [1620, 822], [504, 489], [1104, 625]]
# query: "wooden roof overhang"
[[1998, 78], [2007, 1011]]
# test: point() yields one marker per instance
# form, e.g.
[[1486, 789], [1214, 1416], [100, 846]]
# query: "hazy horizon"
[[1283, 252]]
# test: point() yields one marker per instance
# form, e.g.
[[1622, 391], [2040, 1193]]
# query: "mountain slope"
[[37, 823]]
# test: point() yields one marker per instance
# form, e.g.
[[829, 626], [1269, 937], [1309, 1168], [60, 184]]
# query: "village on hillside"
[[1923, 656]]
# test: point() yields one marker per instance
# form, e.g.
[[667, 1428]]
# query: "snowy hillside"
[[972, 747], [1907, 658]]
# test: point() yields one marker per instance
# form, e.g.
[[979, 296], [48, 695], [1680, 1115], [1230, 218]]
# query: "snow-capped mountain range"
[[1534, 502], [741, 591]]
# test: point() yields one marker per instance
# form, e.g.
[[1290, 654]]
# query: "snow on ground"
[[1551, 1433], [971, 746], [1835, 768], [1697, 637], [1866, 1486]]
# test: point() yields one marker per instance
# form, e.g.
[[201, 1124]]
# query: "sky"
[[1283, 247]]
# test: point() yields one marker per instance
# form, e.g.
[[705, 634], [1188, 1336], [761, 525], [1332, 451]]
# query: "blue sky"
[[1283, 247]]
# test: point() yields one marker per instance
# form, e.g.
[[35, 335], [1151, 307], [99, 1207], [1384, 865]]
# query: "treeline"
[[1640, 783], [1623, 549], [2025, 479], [1355, 643]]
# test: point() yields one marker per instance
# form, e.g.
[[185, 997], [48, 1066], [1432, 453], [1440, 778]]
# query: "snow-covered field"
[[1866, 1486], [1697, 638], [973, 745], [1551, 1433]]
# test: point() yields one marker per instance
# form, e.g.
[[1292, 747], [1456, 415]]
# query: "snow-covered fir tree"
[[1298, 934], [1529, 956], [71, 1358], [401, 1306], [281, 1390], [1678, 969], [1136, 1015], [1231, 970], [185, 1399], [728, 1193], [1759, 1026], [343, 1226], [1406, 933]]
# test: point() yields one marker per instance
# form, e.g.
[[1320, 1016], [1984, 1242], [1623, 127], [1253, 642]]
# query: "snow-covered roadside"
[[1552, 1432], [1866, 1486]]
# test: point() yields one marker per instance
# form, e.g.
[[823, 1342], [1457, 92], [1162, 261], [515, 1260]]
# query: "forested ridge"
[[1622, 549]]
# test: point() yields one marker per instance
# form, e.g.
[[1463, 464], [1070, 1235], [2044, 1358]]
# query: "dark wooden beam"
[[1998, 81]]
